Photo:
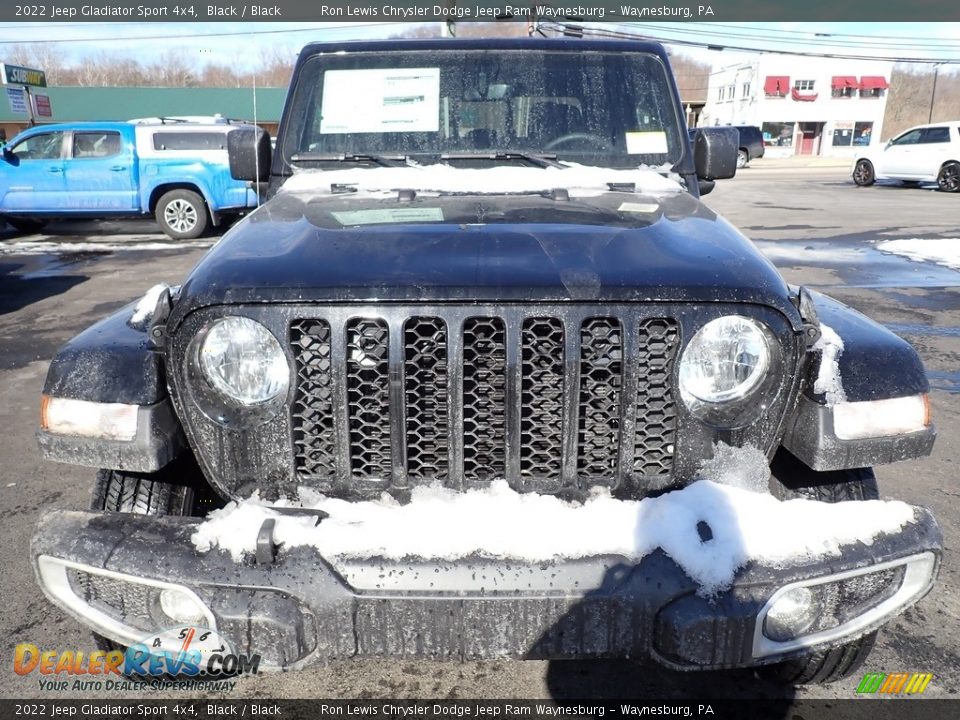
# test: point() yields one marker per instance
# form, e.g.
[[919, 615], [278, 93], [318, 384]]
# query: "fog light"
[[181, 607], [791, 614]]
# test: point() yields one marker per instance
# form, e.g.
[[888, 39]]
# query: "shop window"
[[862, 132], [777, 134]]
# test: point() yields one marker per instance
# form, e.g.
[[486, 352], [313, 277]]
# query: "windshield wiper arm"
[[382, 160], [542, 160]]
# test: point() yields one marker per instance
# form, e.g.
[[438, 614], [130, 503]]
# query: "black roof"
[[533, 43]]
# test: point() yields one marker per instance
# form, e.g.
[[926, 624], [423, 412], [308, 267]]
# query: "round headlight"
[[241, 359], [724, 361]]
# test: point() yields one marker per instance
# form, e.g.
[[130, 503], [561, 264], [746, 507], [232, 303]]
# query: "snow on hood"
[[582, 180], [498, 522], [828, 381]]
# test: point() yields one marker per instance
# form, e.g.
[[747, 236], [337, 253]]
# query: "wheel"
[[182, 214], [600, 142], [949, 178], [28, 226], [155, 494], [863, 173], [742, 159], [791, 479]]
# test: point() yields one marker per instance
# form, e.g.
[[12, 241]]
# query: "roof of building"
[[77, 104]]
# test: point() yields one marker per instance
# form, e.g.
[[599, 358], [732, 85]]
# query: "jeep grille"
[[546, 402]]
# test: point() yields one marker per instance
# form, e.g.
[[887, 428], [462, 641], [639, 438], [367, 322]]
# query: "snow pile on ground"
[[828, 380], [445, 178], [498, 522], [147, 304], [46, 247], [942, 251]]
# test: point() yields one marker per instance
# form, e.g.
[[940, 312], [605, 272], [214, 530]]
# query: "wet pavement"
[[817, 227]]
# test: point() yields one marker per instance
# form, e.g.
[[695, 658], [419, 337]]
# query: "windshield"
[[610, 109]]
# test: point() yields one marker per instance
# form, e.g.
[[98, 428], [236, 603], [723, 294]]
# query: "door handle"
[[55, 169], [118, 168]]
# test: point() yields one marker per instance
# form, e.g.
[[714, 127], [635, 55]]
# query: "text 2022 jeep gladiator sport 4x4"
[[483, 377]]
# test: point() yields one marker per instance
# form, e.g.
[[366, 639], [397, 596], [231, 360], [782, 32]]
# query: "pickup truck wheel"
[[863, 174], [742, 159], [27, 226], [182, 214], [791, 479]]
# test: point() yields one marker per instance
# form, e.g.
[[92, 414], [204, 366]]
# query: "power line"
[[724, 45]]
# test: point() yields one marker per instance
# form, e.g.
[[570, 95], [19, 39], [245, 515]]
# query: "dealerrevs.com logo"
[[174, 657], [894, 683]]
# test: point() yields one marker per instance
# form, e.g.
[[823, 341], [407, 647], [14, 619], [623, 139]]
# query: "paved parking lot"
[[811, 221]]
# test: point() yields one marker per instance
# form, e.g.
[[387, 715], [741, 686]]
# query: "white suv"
[[926, 153]]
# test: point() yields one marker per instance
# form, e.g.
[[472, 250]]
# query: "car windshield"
[[610, 109]]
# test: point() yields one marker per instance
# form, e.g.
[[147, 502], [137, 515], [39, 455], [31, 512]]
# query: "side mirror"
[[715, 153], [248, 149]]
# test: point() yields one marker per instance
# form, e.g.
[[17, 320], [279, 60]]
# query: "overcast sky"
[[240, 44]]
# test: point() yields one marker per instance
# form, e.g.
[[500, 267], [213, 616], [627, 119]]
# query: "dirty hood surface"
[[357, 244]]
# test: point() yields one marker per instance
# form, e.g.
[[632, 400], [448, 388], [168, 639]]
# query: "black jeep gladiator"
[[483, 377]]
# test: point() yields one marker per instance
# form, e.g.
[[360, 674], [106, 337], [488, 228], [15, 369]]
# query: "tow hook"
[[266, 546]]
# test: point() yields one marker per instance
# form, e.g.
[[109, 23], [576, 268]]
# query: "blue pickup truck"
[[176, 171]]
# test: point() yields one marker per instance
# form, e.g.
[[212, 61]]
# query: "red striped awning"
[[776, 85], [842, 82], [873, 82], [803, 97]]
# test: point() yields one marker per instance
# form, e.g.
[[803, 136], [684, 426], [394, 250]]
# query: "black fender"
[[875, 364], [113, 362], [109, 362]]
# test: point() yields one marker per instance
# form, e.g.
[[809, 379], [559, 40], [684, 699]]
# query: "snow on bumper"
[[305, 607]]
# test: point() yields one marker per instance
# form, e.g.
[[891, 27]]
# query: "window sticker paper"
[[646, 143], [381, 100]]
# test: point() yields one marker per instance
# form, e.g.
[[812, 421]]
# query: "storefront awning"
[[873, 82], [776, 85], [842, 82], [803, 97]]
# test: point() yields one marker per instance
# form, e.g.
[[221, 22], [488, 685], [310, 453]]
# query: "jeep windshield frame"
[[482, 106]]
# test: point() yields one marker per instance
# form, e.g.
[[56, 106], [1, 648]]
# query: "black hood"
[[616, 246]]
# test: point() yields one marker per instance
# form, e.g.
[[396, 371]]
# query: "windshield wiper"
[[542, 160], [382, 160]]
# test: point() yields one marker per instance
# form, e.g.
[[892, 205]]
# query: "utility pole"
[[933, 93]]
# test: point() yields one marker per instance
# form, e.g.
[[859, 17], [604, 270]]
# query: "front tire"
[[182, 214], [863, 174], [791, 479], [948, 179]]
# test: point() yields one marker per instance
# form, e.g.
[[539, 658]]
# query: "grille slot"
[[484, 398], [425, 398], [656, 416], [541, 398], [601, 380], [462, 398], [312, 410], [368, 388]]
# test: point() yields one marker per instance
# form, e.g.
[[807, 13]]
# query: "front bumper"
[[299, 609]]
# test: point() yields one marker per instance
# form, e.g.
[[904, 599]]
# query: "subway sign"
[[16, 75]]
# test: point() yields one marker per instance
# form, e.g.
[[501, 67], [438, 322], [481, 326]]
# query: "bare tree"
[[912, 100]]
